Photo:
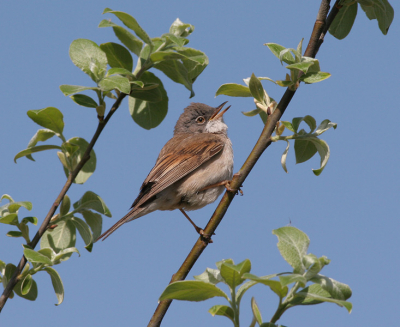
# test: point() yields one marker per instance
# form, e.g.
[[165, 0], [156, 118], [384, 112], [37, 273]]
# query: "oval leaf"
[[60, 238], [88, 56], [191, 290], [234, 90], [292, 245], [71, 89], [117, 56], [222, 310], [49, 117], [91, 200], [84, 100], [149, 114]]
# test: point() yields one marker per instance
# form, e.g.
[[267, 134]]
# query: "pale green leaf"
[[222, 310], [192, 290], [57, 284], [233, 90], [72, 89], [50, 118], [84, 100], [117, 55], [91, 200], [292, 245]]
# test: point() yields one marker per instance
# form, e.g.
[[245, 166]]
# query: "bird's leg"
[[197, 228], [227, 185]]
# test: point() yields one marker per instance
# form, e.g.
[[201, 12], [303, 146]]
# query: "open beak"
[[217, 114]]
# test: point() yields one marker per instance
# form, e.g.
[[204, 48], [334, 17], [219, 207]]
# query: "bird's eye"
[[200, 120]]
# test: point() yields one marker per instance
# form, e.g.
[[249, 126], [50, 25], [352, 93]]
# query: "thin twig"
[[102, 123], [263, 142]]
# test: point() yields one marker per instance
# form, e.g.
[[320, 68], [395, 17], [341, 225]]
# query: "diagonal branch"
[[316, 39], [102, 123]]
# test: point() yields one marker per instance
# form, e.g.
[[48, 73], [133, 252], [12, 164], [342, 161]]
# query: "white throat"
[[216, 126]]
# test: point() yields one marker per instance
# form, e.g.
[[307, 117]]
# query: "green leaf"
[[126, 37], [302, 66], [251, 113], [26, 284], [131, 23], [274, 285], [84, 100], [115, 82], [222, 310], [233, 90], [72, 89], [8, 272], [121, 71], [65, 205], [10, 219], [304, 150], [243, 288], [14, 207], [276, 50], [212, 276], [84, 231], [315, 294], [35, 149], [256, 88], [292, 245], [65, 254], [192, 290], [14, 234], [49, 117], [95, 222], [31, 295], [323, 151], [150, 95], [33, 256], [117, 56], [284, 83], [344, 20], [6, 196], [57, 284], [40, 136], [288, 125], [256, 311], [89, 167], [337, 290], [149, 114], [232, 274], [309, 120], [177, 72], [293, 278], [60, 238], [179, 28], [91, 201], [313, 77], [48, 252], [324, 126], [88, 56], [382, 11]]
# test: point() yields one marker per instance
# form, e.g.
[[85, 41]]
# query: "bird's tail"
[[128, 217]]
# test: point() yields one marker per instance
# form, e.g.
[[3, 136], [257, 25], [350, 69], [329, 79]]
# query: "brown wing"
[[180, 156]]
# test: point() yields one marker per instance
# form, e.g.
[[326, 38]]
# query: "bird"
[[192, 170]]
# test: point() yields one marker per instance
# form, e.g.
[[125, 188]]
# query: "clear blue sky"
[[350, 212]]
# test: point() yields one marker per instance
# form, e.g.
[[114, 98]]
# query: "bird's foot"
[[227, 185]]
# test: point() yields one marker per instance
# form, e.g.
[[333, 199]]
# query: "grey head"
[[201, 118]]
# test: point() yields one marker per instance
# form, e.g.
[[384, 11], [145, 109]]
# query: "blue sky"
[[350, 212]]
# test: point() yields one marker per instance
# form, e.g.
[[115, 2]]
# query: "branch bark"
[[317, 36], [102, 123]]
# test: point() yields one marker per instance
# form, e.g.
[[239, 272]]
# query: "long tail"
[[128, 217]]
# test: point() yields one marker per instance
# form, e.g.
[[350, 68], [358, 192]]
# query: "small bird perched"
[[192, 168]]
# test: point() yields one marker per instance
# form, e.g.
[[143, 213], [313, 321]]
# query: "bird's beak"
[[217, 114]]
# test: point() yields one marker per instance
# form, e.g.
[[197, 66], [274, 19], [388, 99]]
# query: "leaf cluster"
[[148, 101], [290, 287], [381, 10], [58, 242]]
